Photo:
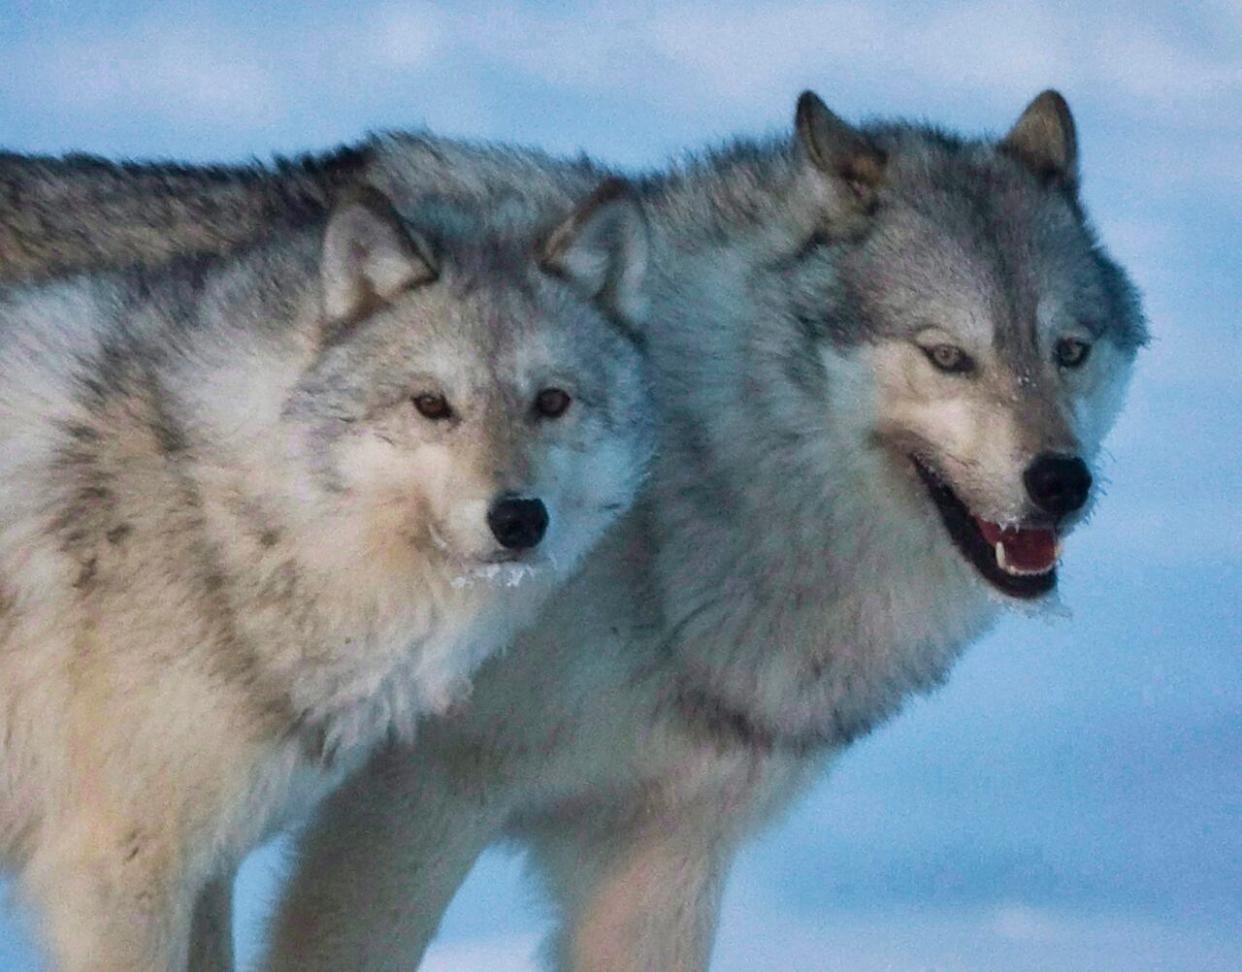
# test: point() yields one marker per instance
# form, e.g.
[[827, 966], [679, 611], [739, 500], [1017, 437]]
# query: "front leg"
[[638, 876], [211, 936], [379, 865], [111, 899], [642, 898]]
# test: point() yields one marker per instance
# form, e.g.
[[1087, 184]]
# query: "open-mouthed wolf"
[[884, 358], [259, 513]]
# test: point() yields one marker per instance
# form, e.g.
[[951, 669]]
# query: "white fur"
[[199, 641]]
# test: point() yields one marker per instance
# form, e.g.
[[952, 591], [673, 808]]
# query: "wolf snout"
[[518, 523], [1058, 484]]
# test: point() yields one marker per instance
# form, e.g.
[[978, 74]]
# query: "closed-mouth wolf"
[[884, 359], [260, 513]]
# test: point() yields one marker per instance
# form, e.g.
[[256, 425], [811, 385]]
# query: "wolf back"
[[81, 213]]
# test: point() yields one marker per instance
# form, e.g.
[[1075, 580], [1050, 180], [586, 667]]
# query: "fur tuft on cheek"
[[586, 489], [1096, 408]]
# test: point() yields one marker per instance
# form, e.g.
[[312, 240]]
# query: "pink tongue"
[[1024, 549]]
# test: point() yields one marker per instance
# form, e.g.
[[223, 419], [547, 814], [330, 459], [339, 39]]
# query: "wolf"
[[259, 513], [884, 358]]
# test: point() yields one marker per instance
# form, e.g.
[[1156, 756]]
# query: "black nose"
[[1058, 484], [518, 523]]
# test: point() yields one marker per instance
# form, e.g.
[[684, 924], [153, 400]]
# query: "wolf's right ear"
[[839, 150], [601, 250], [1045, 140], [369, 256]]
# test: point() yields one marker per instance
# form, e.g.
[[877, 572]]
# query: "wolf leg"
[[644, 899], [378, 866], [211, 936], [111, 901]]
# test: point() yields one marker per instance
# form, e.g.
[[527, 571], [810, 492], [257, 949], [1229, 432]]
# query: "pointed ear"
[[369, 257], [1044, 140], [601, 250], [839, 150]]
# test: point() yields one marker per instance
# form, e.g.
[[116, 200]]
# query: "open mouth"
[[1020, 562]]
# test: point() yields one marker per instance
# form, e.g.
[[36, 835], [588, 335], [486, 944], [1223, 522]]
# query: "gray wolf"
[[260, 513], [884, 359]]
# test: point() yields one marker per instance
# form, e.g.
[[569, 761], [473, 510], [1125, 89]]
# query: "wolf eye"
[[434, 407], [949, 358], [552, 402], [1070, 352]]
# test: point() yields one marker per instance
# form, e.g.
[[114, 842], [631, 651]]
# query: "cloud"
[[1007, 935], [410, 36], [184, 73], [1001, 52], [704, 67], [514, 954]]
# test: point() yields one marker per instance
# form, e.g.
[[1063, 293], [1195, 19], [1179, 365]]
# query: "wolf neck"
[[806, 592]]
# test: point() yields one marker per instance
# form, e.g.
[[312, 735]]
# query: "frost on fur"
[[496, 575]]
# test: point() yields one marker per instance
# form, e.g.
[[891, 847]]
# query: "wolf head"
[[973, 333], [477, 394]]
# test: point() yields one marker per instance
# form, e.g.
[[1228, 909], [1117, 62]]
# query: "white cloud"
[[406, 36], [1023, 923], [687, 59], [1006, 937], [184, 73], [515, 954]]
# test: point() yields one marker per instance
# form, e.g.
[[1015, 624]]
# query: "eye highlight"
[[552, 403], [949, 358], [434, 407], [1071, 352]]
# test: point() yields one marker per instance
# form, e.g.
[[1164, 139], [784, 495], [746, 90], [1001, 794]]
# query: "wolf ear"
[[839, 150], [369, 256], [1044, 140], [601, 250]]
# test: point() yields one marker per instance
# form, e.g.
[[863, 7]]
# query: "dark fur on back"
[[80, 212]]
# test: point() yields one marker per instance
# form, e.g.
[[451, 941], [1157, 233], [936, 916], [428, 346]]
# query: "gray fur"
[[785, 581], [785, 584], [78, 212]]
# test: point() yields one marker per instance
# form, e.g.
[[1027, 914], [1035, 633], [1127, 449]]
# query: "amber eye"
[[949, 358], [552, 402], [1070, 352], [434, 407]]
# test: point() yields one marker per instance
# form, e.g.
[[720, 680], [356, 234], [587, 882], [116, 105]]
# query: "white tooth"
[[1000, 555]]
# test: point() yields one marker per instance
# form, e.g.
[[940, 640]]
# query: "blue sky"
[[1073, 798]]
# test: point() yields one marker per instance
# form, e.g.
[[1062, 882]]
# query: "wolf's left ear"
[[839, 150], [369, 256], [1044, 140], [601, 250]]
